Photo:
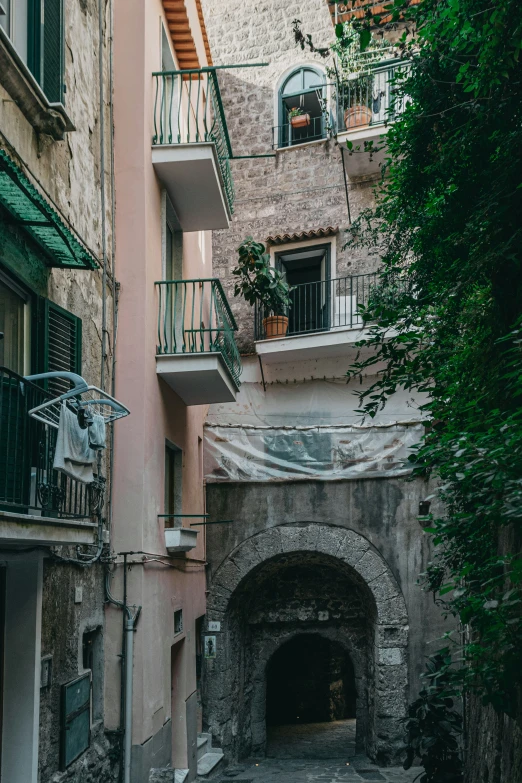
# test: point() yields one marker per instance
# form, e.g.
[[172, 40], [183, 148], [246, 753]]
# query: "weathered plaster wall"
[[69, 172], [302, 188], [63, 624]]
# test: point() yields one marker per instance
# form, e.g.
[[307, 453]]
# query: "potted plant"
[[262, 284], [356, 78], [298, 118], [352, 70]]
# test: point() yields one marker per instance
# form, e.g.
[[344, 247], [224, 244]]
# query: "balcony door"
[[307, 270], [305, 91], [14, 332]]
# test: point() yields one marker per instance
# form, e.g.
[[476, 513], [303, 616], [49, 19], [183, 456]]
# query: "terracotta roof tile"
[[299, 236]]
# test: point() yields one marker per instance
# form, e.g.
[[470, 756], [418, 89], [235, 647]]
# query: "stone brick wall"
[[302, 187], [70, 173]]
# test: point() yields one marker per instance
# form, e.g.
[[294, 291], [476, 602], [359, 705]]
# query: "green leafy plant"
[[351, 64], [447, 225], [259, 281], [295, 112], [433, 726]]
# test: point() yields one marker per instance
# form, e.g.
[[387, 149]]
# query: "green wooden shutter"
[[63, 345], [53, 50], [57, 341], [46, 46]]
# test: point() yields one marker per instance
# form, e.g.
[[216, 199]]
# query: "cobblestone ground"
[[313, 753], [332, 740], [320, 771]]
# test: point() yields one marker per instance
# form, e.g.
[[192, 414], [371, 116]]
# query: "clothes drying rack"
[[85, 400]]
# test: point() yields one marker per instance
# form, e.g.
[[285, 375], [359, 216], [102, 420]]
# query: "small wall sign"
[[210, 646], [214, 625]]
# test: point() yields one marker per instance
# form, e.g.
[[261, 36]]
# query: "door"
[[15, 476]]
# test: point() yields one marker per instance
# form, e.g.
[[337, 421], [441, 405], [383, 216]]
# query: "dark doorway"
[[310, 679], [307, 271]]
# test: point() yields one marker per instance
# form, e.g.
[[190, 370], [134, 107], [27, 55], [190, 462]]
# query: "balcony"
[[364, 106], [37, 503], [196, 351], [323, 320], [289, 135], [191, 148]]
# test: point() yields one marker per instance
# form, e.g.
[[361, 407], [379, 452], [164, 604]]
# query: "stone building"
[[56, 315], [313, 578]]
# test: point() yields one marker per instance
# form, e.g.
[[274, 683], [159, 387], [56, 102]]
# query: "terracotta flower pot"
[[275, 326], [300, 121], [357, 116]]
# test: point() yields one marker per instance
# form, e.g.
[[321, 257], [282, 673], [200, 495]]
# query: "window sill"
[[48, 118], [304, 144]]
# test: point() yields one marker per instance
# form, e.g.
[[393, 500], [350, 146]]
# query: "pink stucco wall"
[[157, 413]]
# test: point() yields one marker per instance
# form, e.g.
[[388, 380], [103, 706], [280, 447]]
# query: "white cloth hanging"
[[73, 455], [96, 432]]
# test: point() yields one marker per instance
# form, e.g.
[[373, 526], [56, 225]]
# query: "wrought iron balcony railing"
[[321, 306], [28, 482], [288, 135], [188, 109], [371, 97], [194, 317]]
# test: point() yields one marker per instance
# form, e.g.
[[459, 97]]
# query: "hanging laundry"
[[73, 455], [96, 432]]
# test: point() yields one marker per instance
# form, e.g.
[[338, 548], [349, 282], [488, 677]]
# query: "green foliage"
[[433, 726], [258, 281], [448, 227]]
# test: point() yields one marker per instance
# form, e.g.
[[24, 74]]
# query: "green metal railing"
[[195, 317], [188, 109]]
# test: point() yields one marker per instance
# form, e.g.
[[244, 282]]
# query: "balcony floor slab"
[[198, 378], [336, 342], [358, 162], [29, 529], [190, 173]]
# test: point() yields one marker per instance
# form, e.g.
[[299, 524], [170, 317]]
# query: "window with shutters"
[[62, 345], [36, 28]]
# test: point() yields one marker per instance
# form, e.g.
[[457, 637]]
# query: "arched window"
[[301, 107]]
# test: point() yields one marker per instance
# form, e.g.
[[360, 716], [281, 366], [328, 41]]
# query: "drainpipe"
[[130, 622], [129, 659]]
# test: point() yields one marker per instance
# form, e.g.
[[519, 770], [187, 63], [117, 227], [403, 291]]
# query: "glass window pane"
[[5, 15], [312, 79], [294, 83], [12, 325]]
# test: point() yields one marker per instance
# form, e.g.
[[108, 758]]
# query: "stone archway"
[[235, 682]]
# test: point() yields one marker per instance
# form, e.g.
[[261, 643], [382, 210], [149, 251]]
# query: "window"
[[58, 343], [14, 304], [178, 621], [302, 95], [307, 270], [173, 484], [173, 243], [36, 28]]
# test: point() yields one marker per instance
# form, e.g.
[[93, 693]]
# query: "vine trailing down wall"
[[448, 321]]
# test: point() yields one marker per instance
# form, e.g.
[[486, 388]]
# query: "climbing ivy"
[[447, 315], [433, 726]]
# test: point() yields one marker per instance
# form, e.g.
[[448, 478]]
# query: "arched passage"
[[310, 679], [306, 579], [310, 699]]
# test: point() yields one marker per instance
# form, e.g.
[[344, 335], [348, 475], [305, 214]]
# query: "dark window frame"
[[284, 136]]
